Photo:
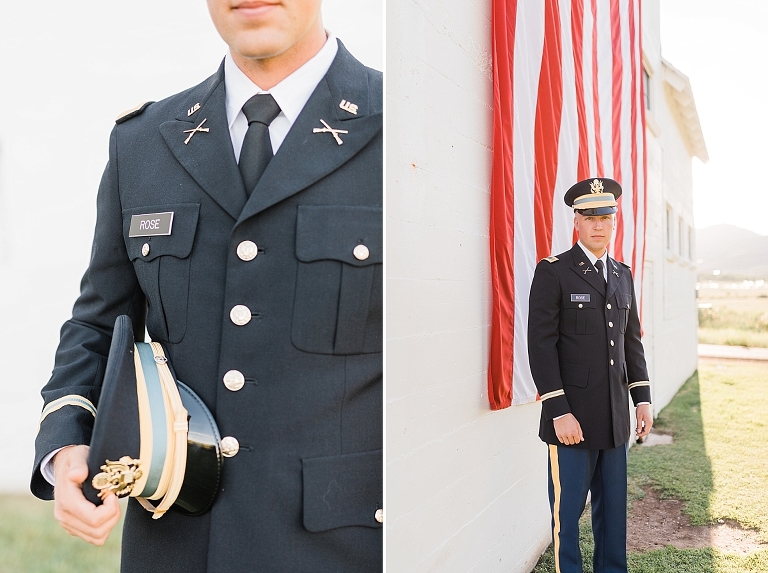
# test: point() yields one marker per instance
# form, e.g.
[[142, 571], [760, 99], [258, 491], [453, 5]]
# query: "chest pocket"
[[580, 317], [624, 302], [162, 264], [339, 292]]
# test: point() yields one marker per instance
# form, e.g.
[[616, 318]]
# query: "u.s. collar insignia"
[[588, 270], [348, 106], [581, 264], [596, 186], [193, 109], [328, 129], [192, 132]]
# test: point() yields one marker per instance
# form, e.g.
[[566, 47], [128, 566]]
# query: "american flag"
[[568, 105]]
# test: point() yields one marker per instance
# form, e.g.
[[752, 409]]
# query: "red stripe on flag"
[[632, 259], [645, 160], [546, 132], [504, 20], [617, 68], [577, 36], [595, 96]]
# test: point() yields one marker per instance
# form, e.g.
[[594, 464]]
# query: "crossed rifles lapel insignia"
[[328, 129], [192, 132]]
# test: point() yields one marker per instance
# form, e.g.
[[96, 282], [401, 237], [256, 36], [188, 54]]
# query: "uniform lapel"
[[208, 156], [615, 272], [304, 156], [584, 269]]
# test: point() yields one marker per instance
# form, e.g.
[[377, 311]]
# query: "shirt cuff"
[[641, 403], [46, 466]]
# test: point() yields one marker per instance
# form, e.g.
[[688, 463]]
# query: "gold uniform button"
[[612, 344], [229, 447], [234, 380], [247, 250], [611, 361], [379, 515], [361, 252], [608, 306], [145, 249], [240, 314], [610, 324]]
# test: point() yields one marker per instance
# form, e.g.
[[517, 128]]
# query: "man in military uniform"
[[586, 357], [261, 276]]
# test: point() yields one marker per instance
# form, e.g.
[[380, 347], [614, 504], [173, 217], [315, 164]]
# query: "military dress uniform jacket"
[[584, 348], [302, 493]]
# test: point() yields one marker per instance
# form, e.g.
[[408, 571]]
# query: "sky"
[[722, 47]]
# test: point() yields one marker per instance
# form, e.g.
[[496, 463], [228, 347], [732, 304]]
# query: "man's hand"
[[644, 420], [75, 513], [568, 430]]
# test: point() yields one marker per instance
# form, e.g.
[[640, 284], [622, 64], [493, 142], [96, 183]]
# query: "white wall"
[[466, 487], [669, 308], [66, 70]]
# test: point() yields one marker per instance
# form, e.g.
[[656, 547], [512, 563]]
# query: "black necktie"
[[599, 267], [256, 152]]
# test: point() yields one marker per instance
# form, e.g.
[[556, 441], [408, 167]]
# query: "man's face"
[[263, 29], [595, 231]]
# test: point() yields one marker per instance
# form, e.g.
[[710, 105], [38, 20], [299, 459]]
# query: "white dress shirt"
[[291, 94], [593, 259]]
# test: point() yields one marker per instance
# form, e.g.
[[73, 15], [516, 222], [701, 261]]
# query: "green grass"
[[717, 465], [724, 317], [735, 317], [31, 541], [733, 337]]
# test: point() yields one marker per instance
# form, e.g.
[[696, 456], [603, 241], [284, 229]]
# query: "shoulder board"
[[133, 112], [624, 265], [550, 259]]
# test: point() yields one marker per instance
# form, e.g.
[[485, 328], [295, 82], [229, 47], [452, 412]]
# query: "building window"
[[681, 236], [647, 88], [670, 228], [690, 243]]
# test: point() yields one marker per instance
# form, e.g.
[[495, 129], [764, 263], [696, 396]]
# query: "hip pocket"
[[344, 490]]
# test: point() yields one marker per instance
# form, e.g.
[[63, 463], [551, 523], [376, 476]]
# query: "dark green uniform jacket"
[[302, 493], [584, 348]]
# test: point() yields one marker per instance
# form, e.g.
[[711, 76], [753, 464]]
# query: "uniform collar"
[[592, 258], [291, 94]]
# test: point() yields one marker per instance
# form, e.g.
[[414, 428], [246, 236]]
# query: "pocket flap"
[[177, 244], [624, 300], [344, 490], [332, 232]]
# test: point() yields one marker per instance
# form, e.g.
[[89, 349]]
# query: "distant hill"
[[735, 252]]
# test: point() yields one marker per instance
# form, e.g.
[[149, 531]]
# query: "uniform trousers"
[[572, 474]]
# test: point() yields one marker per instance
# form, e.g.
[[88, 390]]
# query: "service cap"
[[596, 196], [153, 438]]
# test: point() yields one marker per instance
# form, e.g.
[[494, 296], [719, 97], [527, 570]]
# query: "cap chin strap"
[[173, 427]]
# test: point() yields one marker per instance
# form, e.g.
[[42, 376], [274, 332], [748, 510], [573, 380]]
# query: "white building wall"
[[466, 487], [66, 70], [669, 310]]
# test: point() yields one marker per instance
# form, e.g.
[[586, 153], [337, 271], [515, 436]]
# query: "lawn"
[[31, 541], [717, 465], [733, 316]]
